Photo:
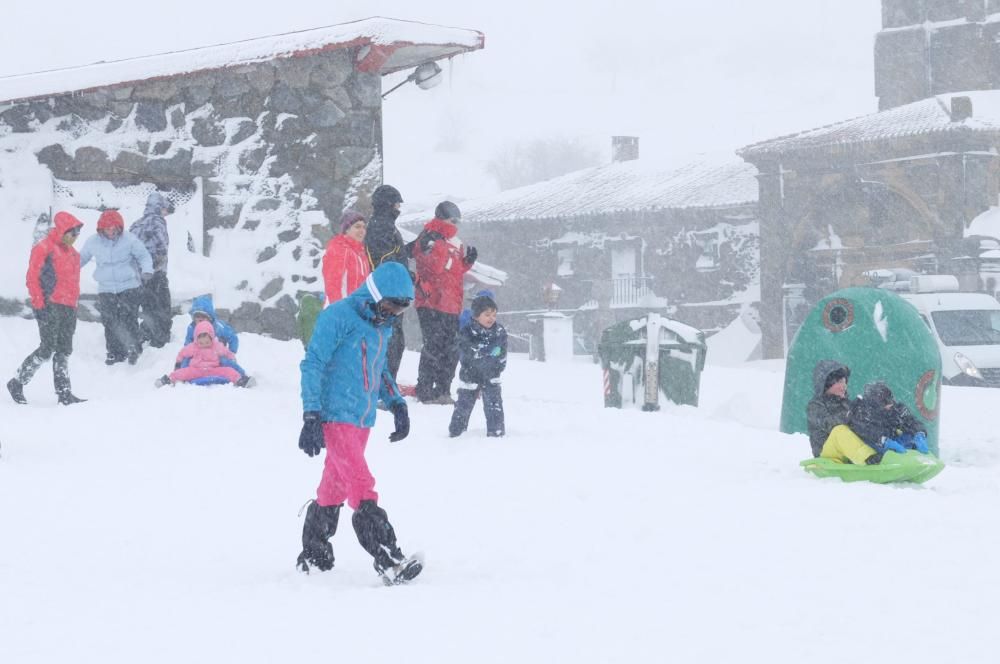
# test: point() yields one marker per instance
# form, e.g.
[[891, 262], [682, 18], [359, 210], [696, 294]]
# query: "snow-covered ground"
[[160, 526]]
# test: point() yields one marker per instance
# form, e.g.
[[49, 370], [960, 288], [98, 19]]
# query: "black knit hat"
[[448, 210], [481, 303], [386, 196]]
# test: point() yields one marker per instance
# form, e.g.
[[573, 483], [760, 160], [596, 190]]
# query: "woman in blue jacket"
[[344, 376], [123, 265]]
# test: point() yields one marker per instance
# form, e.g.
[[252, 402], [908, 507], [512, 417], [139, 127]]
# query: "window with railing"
[[630, 291]]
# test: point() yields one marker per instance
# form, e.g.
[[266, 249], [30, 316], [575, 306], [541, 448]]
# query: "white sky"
[[686, 77]]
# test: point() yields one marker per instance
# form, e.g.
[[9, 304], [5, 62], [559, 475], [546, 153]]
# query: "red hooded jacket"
[[440, 258], [345, 266], [54, 267]]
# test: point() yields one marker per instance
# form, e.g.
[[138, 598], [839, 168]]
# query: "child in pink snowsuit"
[[204, 352]]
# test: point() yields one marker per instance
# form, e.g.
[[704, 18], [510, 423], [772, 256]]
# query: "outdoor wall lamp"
[[426, 76]]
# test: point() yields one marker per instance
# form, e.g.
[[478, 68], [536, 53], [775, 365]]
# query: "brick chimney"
[[624, 148], [961, 108]]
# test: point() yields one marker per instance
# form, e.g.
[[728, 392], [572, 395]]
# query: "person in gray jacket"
[[123, 265], [151, 229]]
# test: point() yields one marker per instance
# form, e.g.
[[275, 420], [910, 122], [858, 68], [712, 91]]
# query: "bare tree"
[[535, 160]]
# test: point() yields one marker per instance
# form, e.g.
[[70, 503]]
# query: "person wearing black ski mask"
[[384, 243]]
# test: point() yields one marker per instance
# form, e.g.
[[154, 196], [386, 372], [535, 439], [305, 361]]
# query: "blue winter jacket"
[[224, 332], [152, 230], [119, 261], [344, 372]]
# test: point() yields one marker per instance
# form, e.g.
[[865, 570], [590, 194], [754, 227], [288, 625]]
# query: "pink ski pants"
[[345, 473]]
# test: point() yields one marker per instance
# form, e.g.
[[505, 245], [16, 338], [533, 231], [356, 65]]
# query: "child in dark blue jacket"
[[483, 356]]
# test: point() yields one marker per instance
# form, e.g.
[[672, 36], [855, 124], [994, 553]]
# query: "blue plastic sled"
[[208, 380]]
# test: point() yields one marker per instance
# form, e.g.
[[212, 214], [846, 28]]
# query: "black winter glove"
[[470, 255], [427, 239], [40, 313], [401, 415], [311, 438], [146, 278]]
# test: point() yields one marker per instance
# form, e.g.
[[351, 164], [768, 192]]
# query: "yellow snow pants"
[[844, 446]]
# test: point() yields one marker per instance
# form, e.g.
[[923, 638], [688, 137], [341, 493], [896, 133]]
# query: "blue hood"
[[203, 304], [388, 280]]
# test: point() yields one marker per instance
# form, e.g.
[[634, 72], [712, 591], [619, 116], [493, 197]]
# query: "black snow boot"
[[16, 389], [320, 525], [377, 537], [67, 398]]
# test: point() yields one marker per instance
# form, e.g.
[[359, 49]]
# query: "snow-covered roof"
[[621, 186], [987, 223], [927, 116], [388, 45]]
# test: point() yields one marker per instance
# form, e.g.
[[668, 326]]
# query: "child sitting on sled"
[[876, 424], [203, 309], [204, 355]]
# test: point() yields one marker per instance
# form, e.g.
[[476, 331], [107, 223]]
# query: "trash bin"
[[677, 371]]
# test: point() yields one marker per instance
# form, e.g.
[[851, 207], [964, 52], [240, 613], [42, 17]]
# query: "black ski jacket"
[[825, 411], [383, 240], [872, 422]]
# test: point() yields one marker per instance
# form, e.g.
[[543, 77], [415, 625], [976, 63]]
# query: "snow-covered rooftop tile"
[[409, 43], [621, 186], [927, 116]]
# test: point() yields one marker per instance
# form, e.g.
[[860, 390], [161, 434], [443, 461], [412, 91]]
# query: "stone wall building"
[[895, 189], [929, 47], [901, 188], [259, 144], [608, 243]]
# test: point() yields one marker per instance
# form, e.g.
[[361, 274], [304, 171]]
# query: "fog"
[[686, 77]]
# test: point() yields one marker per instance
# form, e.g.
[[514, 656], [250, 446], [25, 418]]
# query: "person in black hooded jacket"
[[829, 413], [882, 422], [830, 405], [383, 243]]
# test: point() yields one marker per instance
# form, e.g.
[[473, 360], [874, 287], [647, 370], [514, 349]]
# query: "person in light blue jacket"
[[123, 265], [344, 375], [202, 308]]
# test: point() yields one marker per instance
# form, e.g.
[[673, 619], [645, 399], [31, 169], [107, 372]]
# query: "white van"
[[966, 327]]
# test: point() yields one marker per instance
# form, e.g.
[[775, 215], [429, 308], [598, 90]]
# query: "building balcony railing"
[[632, 291]]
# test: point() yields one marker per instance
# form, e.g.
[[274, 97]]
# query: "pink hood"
[[204, 327], [204, 358]]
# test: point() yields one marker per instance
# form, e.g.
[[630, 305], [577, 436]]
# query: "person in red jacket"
[[54, 285], [346, 263], [442, 261]]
